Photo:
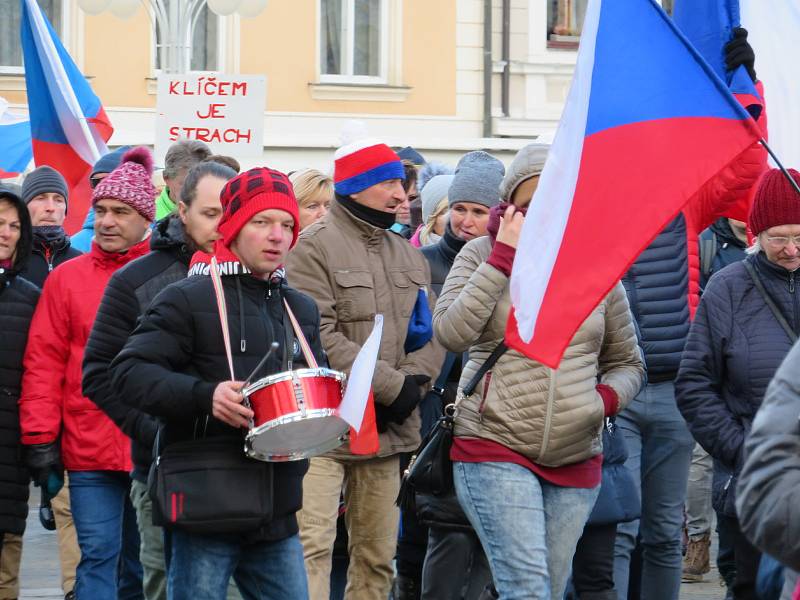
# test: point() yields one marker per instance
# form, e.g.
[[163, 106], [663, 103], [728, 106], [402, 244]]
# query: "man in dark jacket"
[[45, 192], [174, 367], [18, 299], [128, 293], [748, 318]]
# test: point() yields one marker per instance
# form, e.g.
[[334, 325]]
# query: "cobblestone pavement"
[[40, 578]]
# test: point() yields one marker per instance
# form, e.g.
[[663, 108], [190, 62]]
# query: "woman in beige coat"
[[527, 448]]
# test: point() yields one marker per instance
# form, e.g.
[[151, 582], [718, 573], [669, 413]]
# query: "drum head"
[[297, 438]]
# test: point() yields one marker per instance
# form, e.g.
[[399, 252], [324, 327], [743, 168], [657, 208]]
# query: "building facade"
[[414, 72]]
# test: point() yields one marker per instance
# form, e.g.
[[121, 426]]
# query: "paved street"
[[41, 580]]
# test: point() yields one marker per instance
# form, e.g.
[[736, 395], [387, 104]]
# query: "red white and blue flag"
[[15, 142], [647, 123], [68, 124]]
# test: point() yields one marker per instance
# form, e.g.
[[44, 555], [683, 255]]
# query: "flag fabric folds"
[[68, 124], [15, 142], [647, 123]]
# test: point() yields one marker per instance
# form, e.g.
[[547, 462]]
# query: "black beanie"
[[43, 180]]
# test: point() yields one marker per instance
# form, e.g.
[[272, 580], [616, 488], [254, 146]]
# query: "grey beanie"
[[43, 180], [435, 191], [477, 179], [528, 163]]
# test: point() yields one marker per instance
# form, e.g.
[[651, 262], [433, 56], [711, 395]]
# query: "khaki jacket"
[[355, 271], [553, 417]]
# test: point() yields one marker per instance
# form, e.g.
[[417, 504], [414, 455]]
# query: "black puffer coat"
[[175, 358], [46, 256], [734, 348], [127, 295], [18, 298]]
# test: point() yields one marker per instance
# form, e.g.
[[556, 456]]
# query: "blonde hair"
[[427, 228], [310, 184]]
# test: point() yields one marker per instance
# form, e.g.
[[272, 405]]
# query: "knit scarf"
[[376, 218], [48, 234]]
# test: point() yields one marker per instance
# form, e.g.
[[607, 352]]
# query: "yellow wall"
[[281, 43]]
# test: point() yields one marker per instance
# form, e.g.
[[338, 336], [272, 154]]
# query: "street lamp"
[[175, 20]]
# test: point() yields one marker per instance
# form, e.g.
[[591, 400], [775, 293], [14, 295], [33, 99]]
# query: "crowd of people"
[[126, 349]]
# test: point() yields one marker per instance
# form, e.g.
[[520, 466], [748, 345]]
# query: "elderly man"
[[355, 268]]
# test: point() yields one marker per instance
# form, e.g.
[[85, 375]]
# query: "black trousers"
[[746, 557], [455, 566], [593, 563]]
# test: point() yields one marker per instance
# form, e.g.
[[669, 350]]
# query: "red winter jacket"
[[51, 402]]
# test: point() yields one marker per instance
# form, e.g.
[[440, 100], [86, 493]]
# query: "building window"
[[565, 20], [205, 42], [10, 20], [353, 41]]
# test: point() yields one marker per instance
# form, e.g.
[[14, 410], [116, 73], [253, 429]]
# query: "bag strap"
[[288, 343], [708, 252], [447, 366], [499, 350], [770, 302]]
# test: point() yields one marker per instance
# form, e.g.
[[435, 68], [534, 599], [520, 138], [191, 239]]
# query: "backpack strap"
[[708, 252]]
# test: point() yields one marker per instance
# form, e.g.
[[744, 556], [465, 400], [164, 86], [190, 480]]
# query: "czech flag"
[[646, 125], [68, 123], [15, 142]]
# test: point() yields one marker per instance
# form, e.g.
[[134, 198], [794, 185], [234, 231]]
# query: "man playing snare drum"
[[174, 366]]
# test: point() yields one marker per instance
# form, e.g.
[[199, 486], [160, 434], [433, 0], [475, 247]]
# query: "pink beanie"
[[131, 183]]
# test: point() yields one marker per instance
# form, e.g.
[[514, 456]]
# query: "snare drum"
[[295, 415]]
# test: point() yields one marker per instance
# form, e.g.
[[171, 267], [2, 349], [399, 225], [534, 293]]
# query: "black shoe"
[[405, 588], [489, 593], [70, 596]]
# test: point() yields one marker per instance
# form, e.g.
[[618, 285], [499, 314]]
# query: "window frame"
[[63, 31], [222, 28], [348, 52]]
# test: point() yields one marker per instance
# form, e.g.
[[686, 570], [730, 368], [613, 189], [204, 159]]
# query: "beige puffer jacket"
[[553, 417]]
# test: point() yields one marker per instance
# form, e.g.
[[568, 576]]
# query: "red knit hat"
[[776, 202], [131, 183], [248, 194]]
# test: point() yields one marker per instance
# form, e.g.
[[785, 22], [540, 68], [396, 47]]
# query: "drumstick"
[[307, 354], [272, 347], [219, 292]]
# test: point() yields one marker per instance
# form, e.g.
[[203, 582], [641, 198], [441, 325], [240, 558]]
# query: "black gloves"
[[405, 403], [739, 52], [44, 463]]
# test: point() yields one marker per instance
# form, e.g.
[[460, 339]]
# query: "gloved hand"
[[739, 52], [405, 403], [44, 463]]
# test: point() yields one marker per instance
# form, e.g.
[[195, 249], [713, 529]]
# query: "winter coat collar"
[[230, 265], [450, 244], [169, 234], [341, 216], [722, 229], [115, 260], [770, 269]]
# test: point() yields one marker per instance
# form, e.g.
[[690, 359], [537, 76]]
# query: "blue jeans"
[[659, 454], [105, 523], [201, 566], [528, 528]]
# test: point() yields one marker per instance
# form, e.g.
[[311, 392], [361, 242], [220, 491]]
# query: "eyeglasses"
[[782, 241]]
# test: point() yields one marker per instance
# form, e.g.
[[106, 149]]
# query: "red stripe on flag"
[[366, 441]]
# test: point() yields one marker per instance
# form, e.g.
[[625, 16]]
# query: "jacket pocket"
[[407, 284], [355, 296]]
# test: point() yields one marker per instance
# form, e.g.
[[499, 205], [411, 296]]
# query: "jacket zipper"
[[48, 257], [551, 392], [794, 301]]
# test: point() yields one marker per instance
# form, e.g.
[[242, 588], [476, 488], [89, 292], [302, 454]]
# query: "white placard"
[[360, 380], [224, 111]]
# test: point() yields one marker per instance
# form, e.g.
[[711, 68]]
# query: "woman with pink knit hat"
[[747, 321], [61, 428]]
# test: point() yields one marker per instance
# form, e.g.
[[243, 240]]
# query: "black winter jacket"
[[18, 298], [658, 292], [127, 295], [727, 249], [734, 348], [46, 256], [175, 358]]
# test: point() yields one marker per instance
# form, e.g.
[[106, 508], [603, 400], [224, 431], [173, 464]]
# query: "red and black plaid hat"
[[248, 194]]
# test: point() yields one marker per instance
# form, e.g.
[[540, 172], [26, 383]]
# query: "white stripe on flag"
[[82, 138], [549, 210]]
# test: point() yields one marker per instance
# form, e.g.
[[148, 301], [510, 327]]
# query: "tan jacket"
[[553, 417], [355, 271]]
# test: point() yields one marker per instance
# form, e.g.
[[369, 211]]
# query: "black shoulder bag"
[[431, 470]]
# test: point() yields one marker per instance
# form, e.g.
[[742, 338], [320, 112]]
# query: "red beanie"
[[248, 194], [776, 202]]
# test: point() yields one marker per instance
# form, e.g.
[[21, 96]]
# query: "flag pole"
[[786, 173]]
